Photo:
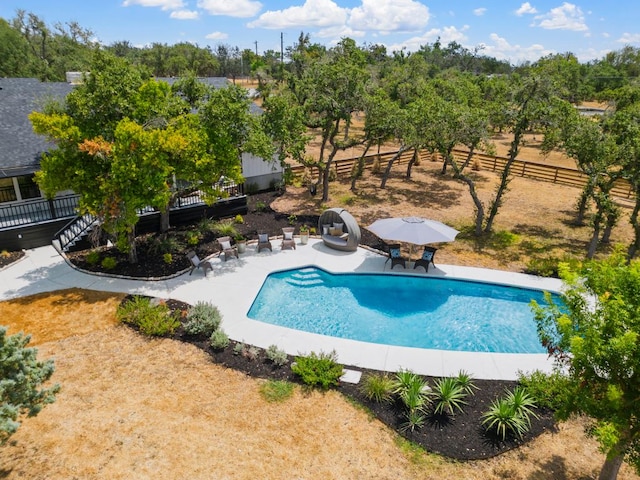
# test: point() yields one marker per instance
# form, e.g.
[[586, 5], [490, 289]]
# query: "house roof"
[[20, 147]]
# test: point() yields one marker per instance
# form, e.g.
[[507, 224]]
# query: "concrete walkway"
[[233, 285]]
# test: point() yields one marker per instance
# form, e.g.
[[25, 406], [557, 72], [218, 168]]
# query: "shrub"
[[415, 419], [377, 387], [546, 389], [93, 257], [219, 340], [251, 353], [164, 244], [239, 219], [292, 219], [202, 319], [238, 349], [510, 414], [260, 206], [276, 390], [225, 228], [550, 266], [448, 396], [251, 188], [318, 369], [152, 320], [277, 356], [465, 381], [168, 258], [192, 237], [109, 263], [205, 226]]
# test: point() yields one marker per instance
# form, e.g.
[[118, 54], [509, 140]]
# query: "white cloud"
[[628, 38], [185, 14], [163, 4], [478, 12], [229, 8], [503, 50], [386, 16], [525, 8], [446, 35], [217, 36], [565, 17], [313, 13]]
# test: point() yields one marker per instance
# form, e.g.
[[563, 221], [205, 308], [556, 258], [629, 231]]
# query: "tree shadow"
[[556, 468]]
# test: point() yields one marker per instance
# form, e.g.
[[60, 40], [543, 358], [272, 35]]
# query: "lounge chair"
[[287, 238], [395, 256], [227, 249], [264, 242], [197, 263], [427, 258]]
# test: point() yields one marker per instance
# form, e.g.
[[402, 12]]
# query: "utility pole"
[[281, 47], [256, 44]]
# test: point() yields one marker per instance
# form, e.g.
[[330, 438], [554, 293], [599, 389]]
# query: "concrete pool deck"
[[233, 285]]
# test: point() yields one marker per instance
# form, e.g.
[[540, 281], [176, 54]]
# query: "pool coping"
[[242, 280]]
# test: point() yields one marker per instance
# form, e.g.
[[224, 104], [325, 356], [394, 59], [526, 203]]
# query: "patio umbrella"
[[413, 230], [416, 230]]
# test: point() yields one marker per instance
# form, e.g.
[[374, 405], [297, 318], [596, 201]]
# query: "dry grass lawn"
[[137, 408]]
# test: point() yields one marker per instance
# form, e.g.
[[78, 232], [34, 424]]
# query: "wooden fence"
[[522, 168]]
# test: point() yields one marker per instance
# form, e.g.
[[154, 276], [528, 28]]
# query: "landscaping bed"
[[460, 436]]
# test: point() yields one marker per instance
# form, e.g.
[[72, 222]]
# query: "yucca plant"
[[415, 419], [448, 396], [465, 381], [502, 418], [522, 403]]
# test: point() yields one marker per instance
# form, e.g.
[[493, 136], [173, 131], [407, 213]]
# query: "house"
[[29, 220]]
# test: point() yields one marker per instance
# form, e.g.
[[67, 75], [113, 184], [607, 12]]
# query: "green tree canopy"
[[21, 379], [595, 339]]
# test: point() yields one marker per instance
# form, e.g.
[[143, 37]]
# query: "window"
[[28, 187], [7, 192]]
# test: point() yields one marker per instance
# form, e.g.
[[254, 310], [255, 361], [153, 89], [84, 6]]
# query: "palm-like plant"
[[502, 418], [465, 380], [448, 396]]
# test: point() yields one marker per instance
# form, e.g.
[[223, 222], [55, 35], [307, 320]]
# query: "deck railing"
[[38, 210]]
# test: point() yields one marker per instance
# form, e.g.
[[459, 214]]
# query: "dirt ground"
[[131, 407]]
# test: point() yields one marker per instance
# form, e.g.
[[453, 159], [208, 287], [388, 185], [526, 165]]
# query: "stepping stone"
[[351, 376]]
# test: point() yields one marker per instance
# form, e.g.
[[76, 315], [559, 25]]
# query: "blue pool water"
[[423, 312]]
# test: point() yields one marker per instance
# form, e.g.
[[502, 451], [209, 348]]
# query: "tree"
[[21, 378], [330, 91], [594, 338]]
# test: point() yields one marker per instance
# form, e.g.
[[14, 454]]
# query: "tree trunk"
[[164, 220], [505, 177], [411, 162], [593, 244], [613, 462], [611, 467], [635, 245], [459, 173], [133, 252], [360, 167], [387, 170], [586, 193], [327, 168]]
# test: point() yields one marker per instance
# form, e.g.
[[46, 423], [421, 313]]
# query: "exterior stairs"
[[74, 231], [307, 277]]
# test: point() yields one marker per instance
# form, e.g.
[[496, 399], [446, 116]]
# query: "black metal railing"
[[35, 211]]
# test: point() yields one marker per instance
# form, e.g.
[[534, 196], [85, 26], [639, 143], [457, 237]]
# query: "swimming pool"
[[403, 310]]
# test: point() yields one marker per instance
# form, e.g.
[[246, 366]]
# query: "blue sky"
[[513, 31]]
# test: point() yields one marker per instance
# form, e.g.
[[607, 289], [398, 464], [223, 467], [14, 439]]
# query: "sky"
[[512, 31]]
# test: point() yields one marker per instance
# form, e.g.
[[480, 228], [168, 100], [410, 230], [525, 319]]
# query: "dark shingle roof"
[[20, 148]]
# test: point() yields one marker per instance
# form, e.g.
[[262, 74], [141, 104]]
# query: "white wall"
[[260, 172]]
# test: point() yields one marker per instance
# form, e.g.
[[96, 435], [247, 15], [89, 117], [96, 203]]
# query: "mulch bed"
[[7, 258], [460, 437]]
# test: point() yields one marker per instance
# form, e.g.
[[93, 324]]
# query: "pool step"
[[306, 277]]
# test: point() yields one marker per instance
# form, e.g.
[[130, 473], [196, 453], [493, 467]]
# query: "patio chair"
[[427, 257], [287, 238], [227, 249], [197, 263], [264, 242], [395, 256]]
